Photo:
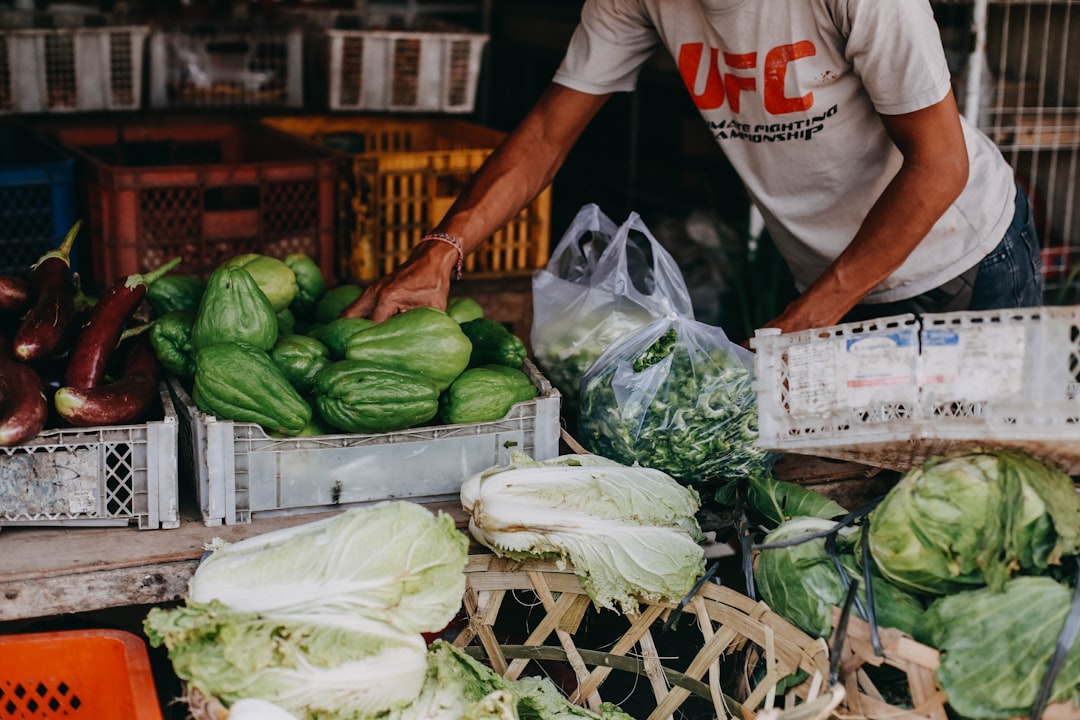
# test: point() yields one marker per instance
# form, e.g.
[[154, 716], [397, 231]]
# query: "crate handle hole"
[[231, 197]]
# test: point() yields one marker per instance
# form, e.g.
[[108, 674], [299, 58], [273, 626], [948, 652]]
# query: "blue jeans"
[[1012, 274]]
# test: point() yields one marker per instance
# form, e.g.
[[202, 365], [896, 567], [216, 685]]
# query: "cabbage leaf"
[[802, 585], [996, 646], [629, 532], [458, 687], [966, 520], [392, 561], [306, 668]]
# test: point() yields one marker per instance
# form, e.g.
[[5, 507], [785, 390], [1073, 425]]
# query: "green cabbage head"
[[974, 519], [801, 584]]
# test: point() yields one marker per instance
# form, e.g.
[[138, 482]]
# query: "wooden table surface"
[[46, 571]]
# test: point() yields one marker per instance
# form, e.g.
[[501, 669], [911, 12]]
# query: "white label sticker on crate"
[[846, 373], [976, 363], [811, 372]]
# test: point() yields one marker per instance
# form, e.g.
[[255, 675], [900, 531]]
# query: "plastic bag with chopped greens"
[[675, 395], [601, 282]]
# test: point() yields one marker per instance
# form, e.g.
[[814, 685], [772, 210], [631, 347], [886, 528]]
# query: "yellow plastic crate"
[[400, 178]]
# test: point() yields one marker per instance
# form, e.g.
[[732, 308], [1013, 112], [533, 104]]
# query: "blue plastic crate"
[[37, 204]]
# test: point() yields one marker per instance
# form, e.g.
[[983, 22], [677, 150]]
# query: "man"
[[839, 118]]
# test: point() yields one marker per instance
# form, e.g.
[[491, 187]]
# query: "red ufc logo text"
[[720, 83]]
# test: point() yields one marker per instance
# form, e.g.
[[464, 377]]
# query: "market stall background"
[[69, 142]]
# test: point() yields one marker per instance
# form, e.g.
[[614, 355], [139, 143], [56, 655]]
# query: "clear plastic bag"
[[601, 282], [675, 395]]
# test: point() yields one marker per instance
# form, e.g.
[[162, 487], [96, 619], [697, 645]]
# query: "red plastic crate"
[[92, 674], [203, 192]]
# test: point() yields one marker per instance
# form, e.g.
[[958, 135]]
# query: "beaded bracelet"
[[452, 240]]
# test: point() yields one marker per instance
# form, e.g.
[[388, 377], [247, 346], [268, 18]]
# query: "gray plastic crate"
[[896, 391], [240, 471], [71, 67], [95, 476]]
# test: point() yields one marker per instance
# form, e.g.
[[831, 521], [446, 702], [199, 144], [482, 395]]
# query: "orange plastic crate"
[[204, 192], [92, 674], [401, 176]]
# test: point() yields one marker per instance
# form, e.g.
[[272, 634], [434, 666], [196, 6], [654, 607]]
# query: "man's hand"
[[511, 177], [424, 280]]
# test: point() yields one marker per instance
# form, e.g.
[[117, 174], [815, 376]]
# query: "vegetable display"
[[978, 539], [423, 341], [50, 318], [239, 381], [125, 400], [974, 519], [323, 619], [69, 359], [801, 582], [234, 309], [677, 396], [629, 532], [307, 373], [997, 644], [484, 394]]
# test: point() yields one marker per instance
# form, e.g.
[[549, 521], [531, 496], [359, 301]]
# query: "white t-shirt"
[[791, 89]]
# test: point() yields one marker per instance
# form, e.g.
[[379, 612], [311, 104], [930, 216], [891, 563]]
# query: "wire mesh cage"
[[1017, 77]]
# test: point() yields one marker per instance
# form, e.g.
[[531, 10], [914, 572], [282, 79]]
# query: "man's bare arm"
[[934, 172]]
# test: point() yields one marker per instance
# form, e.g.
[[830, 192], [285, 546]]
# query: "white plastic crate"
[[896, 391], [240, 471], [427, 66], [216, 66], [71, 69], [95, 476]]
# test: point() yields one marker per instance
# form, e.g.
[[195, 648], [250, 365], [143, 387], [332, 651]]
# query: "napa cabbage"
[[307, 668], [630, 533], [392, 561]]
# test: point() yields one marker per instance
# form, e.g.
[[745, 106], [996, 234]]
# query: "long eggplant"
[[126, 400], [24, 409], [98, 338], [46, 327]]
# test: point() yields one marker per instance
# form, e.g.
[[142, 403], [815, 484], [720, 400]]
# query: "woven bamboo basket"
[[729, 655], [726, 657], [925, 700]]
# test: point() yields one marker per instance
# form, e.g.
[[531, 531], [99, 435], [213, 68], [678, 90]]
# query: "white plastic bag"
[[601, 282], [675, 395]]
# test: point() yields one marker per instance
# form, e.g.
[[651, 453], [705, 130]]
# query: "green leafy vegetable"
[[393, 561], [308, 668], [802, 584], [458, 687], [776, 501], [677, 396], [629, 532], [960, 522], [996, 646]]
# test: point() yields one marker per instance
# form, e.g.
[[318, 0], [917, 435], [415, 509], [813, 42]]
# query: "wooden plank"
[[95, 590]]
